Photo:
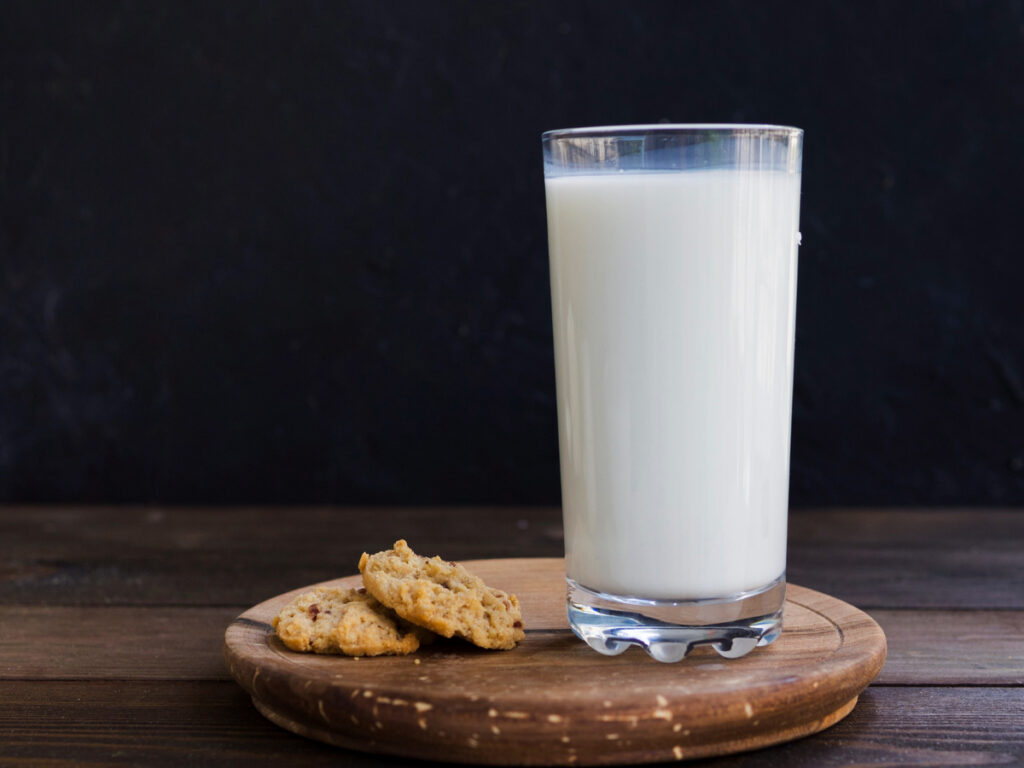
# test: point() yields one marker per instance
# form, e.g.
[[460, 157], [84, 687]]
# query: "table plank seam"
[[948, 685], [227, 678], [98, 681], [863, 606]]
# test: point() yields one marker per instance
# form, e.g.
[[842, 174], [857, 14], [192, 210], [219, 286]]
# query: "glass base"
[[670, 629]]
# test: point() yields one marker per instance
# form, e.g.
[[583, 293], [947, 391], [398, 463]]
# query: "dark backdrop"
[[295, 252]]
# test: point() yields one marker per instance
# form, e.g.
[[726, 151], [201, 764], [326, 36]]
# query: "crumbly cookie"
[[349, 621], [443, 597]]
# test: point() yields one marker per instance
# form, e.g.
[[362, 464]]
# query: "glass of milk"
[[673, 254]]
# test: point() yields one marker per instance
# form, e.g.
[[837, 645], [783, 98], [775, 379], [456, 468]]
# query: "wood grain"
[[85, 593], [157, 724], [911, 726], [176, 643], [883, 558], [953, 647], [233, 556], [112, 643], [552, 700]]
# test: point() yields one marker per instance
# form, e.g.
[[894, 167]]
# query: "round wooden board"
[[554, 701]]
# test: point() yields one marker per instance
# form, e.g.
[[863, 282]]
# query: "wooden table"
[[111, 623]]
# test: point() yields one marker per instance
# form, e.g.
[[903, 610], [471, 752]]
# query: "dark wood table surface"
[[112, 619]]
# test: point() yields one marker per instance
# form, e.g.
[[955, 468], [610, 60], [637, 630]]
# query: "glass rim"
[[677, 129]]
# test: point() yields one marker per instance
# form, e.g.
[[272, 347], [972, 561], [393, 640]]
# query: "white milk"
[[674, 303]]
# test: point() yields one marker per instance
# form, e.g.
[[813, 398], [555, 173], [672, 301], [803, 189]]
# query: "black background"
[[296, 252]]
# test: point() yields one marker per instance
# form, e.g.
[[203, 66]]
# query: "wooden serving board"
[[554, 701]]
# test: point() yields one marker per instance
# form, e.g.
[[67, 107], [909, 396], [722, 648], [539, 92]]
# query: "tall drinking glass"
[[673, 255]]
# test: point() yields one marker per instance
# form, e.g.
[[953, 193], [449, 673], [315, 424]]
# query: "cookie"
[[443, 597], [349, 621]]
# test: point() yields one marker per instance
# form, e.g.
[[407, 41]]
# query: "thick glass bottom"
[[668, 630]]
